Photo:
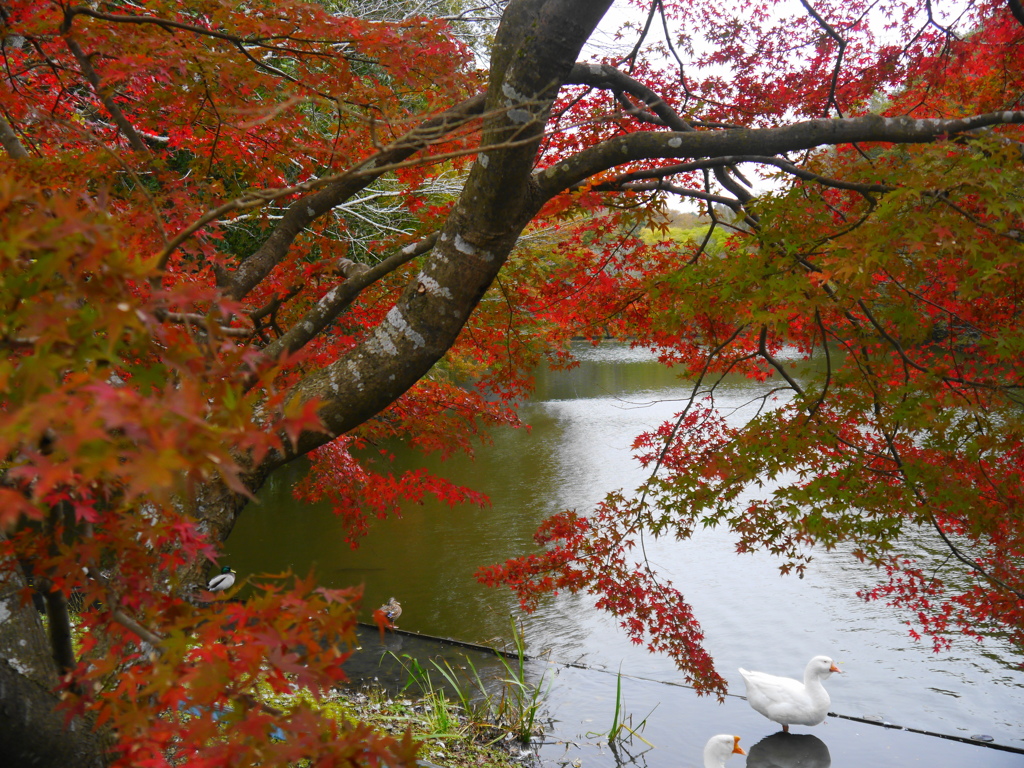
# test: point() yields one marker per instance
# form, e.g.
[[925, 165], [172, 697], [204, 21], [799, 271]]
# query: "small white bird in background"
[[720, 748], [223, 580], [787, 701]]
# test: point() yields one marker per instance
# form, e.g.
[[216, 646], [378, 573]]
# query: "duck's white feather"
[[790, 702]]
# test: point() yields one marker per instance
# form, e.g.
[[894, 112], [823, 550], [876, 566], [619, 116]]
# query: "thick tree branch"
[[338, 299], [1017, 9], [760, 141], [10, 141], [607, 77]]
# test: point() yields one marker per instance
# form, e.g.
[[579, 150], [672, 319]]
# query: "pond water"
[[582, 423]]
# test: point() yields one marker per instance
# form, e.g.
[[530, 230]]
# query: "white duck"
[[223, 580], [790, 702], [720, 748]]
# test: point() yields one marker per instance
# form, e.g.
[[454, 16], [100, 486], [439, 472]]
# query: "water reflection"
[[789, 750], [628, 754]]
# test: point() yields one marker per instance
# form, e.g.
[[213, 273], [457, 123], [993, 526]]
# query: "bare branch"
[[193, 319], [732, 160], [762, 350], [655, 186], [831, 32], [168, 24]]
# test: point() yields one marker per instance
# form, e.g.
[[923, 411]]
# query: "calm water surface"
[[582, 423]]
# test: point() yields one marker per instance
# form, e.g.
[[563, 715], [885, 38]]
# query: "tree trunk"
[[535, 50], [33, 730]]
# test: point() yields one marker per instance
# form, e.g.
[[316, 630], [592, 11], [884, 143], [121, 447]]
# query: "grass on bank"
[[489, 723], [447, 736], [509, 707]]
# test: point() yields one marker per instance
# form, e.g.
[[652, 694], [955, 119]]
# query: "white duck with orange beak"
[[787, 701]]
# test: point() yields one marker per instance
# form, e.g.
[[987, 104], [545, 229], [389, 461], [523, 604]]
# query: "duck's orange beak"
[[736, 748], [834, 668]]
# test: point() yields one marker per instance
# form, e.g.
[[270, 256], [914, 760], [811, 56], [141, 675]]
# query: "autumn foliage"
[[233, 235], [906, 294]]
